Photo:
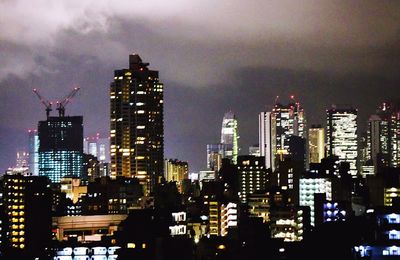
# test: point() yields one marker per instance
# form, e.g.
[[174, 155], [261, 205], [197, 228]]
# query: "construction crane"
[[45, 102], [61, 104]]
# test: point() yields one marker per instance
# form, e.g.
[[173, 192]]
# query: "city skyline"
[[269, 55], [200, 130]]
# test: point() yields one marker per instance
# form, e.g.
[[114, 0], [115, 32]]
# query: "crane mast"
[[45, 102], [60, 104]]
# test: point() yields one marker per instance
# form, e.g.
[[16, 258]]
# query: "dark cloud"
[[212, 57]]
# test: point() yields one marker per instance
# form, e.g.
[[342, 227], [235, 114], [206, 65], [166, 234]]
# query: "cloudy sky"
[[213, 56]]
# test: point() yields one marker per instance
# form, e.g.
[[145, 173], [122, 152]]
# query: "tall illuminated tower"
[[316, 143], [383, 136], [275, 129], [341, 131], [33, 152], [229, 136], [137, 124]]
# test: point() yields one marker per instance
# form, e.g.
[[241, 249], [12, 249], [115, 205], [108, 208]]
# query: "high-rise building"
[[267, 141], [33, 152], [27, 204], [383, 138], [341, 131], [215, 154], [176, 171], [252, 175], [22, 159], [98, 147], [137, 124], [276, 128], [229, 136], [60, 147], [316, 143]]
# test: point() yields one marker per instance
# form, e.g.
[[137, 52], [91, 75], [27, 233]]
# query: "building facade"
[[275, 129], [229, 136], [176, 171], [27, 204], [137, 124], [252, 175], [60, 147], [383, 138], [341, 131], [316, 143], [33, 139]]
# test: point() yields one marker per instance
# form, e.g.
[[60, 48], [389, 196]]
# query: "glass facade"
[[229, 136], [61, 147], [33, 152]]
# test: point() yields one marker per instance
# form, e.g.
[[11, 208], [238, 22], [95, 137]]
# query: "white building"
[[342, 136], [311, 186]]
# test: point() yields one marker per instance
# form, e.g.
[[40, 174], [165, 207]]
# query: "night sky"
[[213, 56]]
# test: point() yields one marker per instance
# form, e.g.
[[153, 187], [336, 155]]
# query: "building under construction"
[[60, 141]]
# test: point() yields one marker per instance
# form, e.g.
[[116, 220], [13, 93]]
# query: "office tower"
[[60, 147], [267, 141], [383, 138], [27, 204], [316, 143], [276, 128], [103, 150], [137, 124], [229, 136], [176, 171], [33, 152], [98, 147], [215, 154], [341, 131], [252, 175]]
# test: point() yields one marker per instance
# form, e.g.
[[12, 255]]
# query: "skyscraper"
[[229, 136], [383, 138], [98, 147], [316, 143], [276, 128], [176, 171], [60, 147], [137, 124], [341, 131], [215, 154], [33, 152], [267, 141]]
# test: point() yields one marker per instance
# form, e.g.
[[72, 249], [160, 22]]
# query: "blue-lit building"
[[60, 147], [386, 238], [33, 152]]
